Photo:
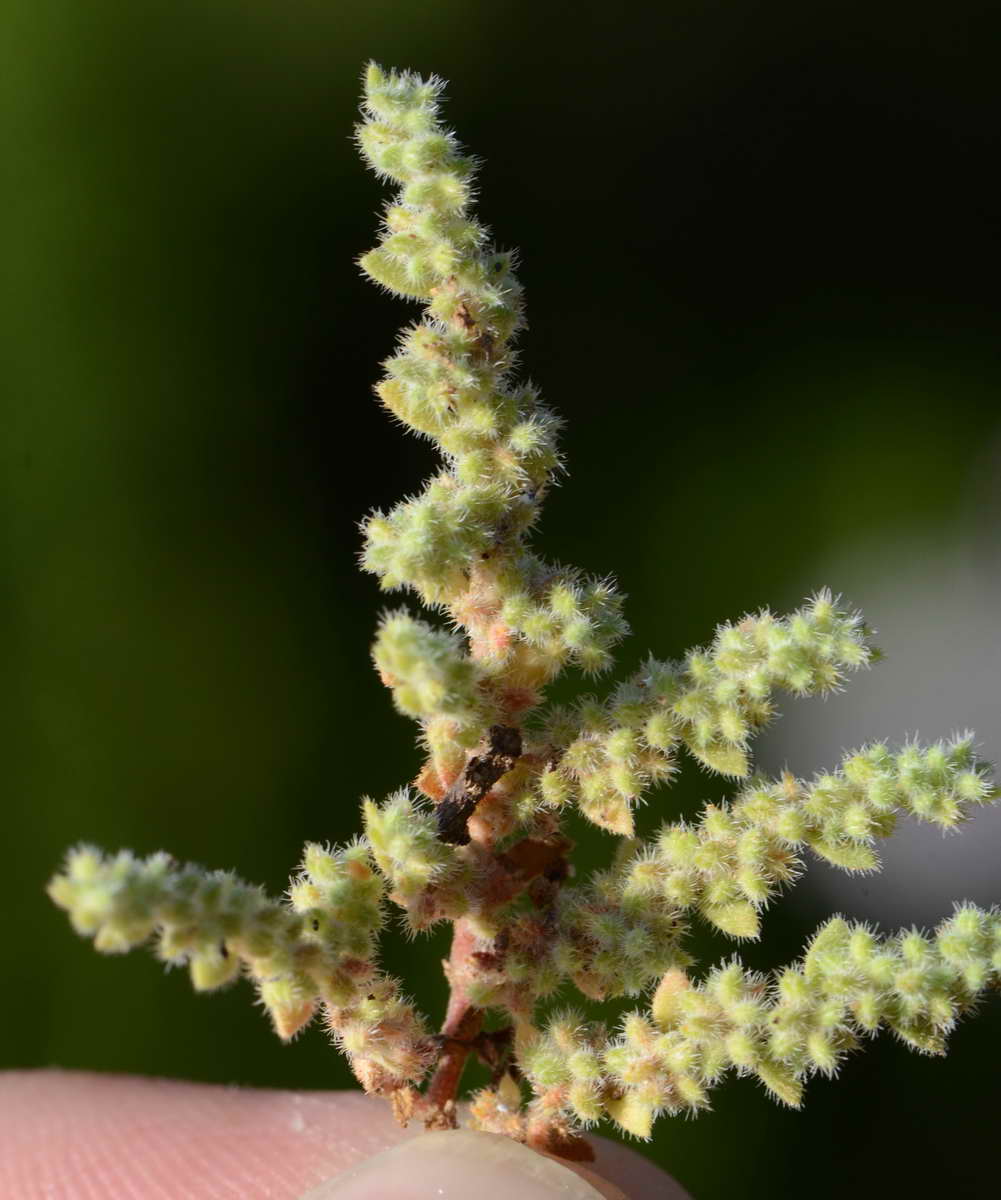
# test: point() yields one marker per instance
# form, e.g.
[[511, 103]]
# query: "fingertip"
[[463, 1163]]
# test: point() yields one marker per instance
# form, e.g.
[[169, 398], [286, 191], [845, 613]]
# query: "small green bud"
[[586, 1102], [632, 1114], [781, 1082], [739, 919], [213, 969], [554, 787], [742, 1049]]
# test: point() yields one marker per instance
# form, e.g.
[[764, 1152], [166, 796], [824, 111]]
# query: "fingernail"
[[457, 1165]]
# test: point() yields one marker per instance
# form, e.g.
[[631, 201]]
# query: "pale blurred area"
[[934, 603]]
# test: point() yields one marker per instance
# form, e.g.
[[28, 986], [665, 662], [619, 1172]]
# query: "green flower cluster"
[[607, 755], [429, 672], [733, 860], [460, 543], [315, 949], [611, 943], [621, 932], [565, 616], [849, 984], [427, 876], [448, 379]]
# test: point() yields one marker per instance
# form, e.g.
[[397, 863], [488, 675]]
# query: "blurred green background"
[[761, 249]]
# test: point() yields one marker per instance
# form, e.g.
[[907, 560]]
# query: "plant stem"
[[462, 1024]]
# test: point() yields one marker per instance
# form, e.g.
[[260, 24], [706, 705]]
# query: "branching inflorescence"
[[479, 839]]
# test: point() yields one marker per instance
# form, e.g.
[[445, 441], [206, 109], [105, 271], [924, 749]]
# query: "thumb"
[[461, 1163]]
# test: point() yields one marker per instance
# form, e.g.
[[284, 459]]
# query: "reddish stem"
[[462, 1023], [456, 970]]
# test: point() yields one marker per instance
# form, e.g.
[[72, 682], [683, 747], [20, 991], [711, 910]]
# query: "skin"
[[80, 1136]]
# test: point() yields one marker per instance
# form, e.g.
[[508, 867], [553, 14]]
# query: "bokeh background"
[[761, 249]]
